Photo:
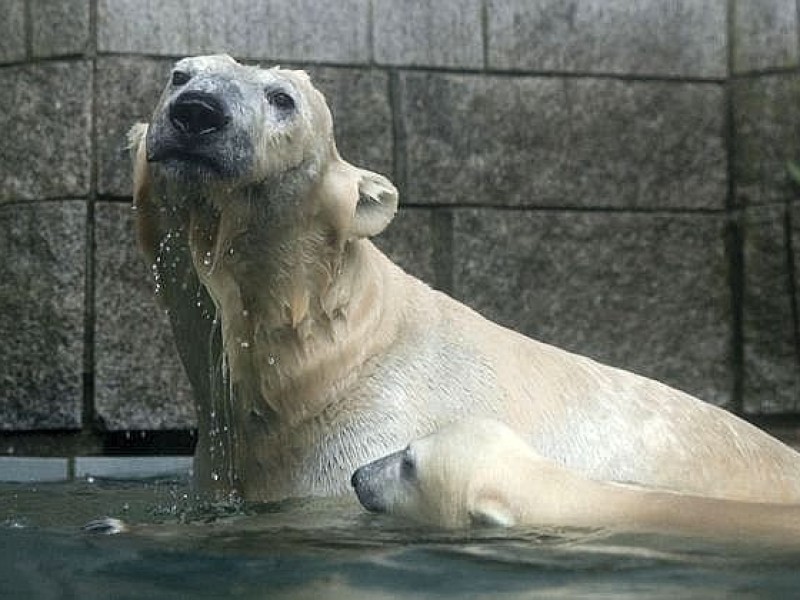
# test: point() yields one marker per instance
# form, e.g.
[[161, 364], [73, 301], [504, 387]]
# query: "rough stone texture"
[[47, 115], [146, 26], [60, 28], [127, 90], [767, 121], [563, 142], [139, 381], [299, 30], [794, 242], [764, 34], [649, 37], [408, 241], [771, 374], [42, 273], [275, 29], [12, 30], [644, 292], [442, 33]]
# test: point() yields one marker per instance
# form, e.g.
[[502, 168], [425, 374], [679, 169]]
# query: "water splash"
[[222, 434]]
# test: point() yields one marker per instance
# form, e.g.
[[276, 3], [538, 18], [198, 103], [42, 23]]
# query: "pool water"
[[179, 548]]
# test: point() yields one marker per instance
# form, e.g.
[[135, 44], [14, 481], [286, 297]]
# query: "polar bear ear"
[[376, 206], [490, 510], [359, 203]]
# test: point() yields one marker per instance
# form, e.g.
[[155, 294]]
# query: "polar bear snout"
[[204, 126], [376, 482], [197, 113]]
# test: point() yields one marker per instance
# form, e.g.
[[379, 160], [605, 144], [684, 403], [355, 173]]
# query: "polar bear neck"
[[304, 337]]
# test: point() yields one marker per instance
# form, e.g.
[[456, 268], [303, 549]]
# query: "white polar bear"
[[479, 471], [311, 353]]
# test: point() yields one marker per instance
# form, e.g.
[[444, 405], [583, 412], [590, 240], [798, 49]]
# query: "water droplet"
[[271, 360]]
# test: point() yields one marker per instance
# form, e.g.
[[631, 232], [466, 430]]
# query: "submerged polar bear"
[[479, 471], [310, 353]]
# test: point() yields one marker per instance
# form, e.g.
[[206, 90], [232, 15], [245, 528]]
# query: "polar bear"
[[311, 353], [479, 471]]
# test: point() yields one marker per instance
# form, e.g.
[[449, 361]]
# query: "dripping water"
[[221, 435]]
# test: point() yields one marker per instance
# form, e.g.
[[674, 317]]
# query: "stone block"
[[153, 27], [59, 28], [299, 30], [127, 91], [440, 33], [766, 125], [285, 30], [765, 35], [553, 142], [408, 241], [682, 38], [645, 292], [362, 115], [43, 246], [771, 362], [12, 31], [139, 381], [46, 129]]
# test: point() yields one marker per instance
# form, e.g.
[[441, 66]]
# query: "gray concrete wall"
[[605, 175]]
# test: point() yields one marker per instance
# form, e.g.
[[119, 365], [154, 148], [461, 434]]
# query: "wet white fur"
[[338, 357], [480, 472]]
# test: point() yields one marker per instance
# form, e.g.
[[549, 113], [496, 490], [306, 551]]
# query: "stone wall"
[[604, 175]]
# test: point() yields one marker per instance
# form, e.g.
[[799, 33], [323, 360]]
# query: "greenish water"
[[331, 549]]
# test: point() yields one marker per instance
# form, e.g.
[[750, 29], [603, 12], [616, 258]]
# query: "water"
[[332, 549]]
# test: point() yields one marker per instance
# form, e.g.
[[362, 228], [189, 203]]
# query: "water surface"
[[332, 549]]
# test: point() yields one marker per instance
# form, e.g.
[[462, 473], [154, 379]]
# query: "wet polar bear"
[[480, 472], [310, 353]]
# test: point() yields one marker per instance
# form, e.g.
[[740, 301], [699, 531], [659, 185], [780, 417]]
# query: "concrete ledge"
[[132, 467], [19, 469]]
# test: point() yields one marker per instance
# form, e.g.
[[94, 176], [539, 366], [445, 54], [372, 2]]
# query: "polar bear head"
[[233, 133], [470, 472]]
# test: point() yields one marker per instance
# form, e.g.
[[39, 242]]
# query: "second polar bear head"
[[471, 472]]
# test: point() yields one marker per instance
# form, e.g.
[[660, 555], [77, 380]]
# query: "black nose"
[[197, 113], [363, 487]]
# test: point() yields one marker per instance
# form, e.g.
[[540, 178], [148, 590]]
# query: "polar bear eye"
[[408, 464], [280, 100], [180, 77]]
